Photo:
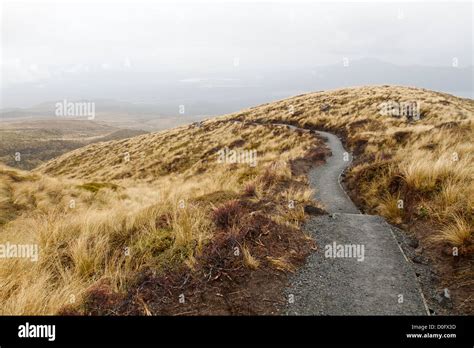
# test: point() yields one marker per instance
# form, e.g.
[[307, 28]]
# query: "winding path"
[[377, 281]]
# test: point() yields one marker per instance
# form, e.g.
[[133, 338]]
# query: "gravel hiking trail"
[[365, 272]]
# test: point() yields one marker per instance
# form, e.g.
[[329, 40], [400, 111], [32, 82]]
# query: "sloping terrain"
[[376, 279], [161, 224], [417, 173], [160, 213]]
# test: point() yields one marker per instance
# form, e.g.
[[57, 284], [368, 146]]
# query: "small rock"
[[325, 107], [419, 259], [444, 298], [434, 277], [413, 242], [419, 250], [309, 209], [446, 293]]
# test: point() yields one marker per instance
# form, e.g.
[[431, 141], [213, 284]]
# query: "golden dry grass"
[[99, 220], [104, 212], [281, 264], [458, 231], [428, 164], [249, 260]]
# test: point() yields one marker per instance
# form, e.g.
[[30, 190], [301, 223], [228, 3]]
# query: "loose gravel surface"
[[358, 267], [325, 179]]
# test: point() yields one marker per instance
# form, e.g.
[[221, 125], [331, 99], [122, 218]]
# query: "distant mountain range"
[[217, 92]]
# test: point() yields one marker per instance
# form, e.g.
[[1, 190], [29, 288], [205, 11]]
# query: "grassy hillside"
[[427, 163], [105, 221], [416, 173], [128, 226]]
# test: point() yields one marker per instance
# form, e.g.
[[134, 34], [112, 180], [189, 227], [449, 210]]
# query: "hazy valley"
[[129, 224]]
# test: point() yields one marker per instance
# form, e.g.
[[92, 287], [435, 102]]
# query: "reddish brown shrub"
[[225, 215]]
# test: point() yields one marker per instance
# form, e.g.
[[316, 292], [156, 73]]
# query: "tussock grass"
[[429, 163], [281, 264], [390, 208], [101, 223], [106, 212], [249, 260], [458, 231]]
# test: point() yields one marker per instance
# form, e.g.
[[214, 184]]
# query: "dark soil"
[[220, 283]]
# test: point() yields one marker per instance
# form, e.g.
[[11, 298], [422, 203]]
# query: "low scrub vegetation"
[[416, 170], [405, 168], [101, 222], [160, 213]]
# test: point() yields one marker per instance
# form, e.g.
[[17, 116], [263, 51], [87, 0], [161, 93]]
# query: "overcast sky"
[[46, 40]]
